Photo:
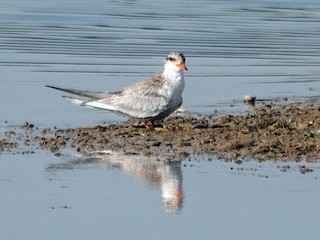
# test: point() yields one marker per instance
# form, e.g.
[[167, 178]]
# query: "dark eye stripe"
[[171, 59]]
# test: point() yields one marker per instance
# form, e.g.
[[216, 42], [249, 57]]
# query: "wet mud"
[[270, 131]]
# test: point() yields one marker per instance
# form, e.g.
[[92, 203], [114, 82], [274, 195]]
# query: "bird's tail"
[[86, 94], [86, 98]]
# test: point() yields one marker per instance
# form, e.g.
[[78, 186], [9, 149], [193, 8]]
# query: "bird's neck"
[[174, 83], [174, 77]]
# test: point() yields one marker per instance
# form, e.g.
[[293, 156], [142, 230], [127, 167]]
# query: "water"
[[265, 48], [269, 49], [122, 198]]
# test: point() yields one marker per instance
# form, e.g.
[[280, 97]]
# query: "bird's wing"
[[141, 100], [134, 106]]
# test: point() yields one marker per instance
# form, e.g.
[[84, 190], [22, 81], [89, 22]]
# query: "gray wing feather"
[[137, 106], [140, 100]]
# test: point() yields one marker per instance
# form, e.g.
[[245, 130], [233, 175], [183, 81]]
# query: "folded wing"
[[137, 101]]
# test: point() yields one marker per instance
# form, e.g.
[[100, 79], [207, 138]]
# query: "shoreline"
[[272, 131]]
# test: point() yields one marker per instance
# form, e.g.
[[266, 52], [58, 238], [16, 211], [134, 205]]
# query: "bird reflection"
[[167, 175], [163, 174]]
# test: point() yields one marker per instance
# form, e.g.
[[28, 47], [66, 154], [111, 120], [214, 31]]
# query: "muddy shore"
[[271, 131]]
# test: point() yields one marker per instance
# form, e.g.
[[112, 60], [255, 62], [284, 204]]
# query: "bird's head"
[[175, 61]]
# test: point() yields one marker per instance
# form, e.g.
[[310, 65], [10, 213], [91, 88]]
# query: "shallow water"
[[123, 198], [269, 49]]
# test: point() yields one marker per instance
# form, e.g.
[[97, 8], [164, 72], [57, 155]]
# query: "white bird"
[[147, 101]]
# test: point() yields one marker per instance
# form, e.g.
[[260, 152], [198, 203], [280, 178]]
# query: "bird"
[[147, 101]]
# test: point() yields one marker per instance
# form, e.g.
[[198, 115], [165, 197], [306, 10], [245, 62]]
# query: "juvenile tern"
[[150, 100]]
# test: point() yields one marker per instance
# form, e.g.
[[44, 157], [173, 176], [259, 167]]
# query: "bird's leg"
[[149, 125]]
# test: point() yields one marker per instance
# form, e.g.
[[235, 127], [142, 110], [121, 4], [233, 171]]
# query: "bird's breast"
[[172, 92]]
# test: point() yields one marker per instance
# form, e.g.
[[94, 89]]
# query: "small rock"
[[249, 100]]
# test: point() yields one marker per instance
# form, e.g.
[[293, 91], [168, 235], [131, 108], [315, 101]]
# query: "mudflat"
[[272, 130]]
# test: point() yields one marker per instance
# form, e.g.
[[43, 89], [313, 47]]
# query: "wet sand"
[[273, 130]]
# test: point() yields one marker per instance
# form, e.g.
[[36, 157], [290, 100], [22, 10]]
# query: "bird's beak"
[[182, 66]]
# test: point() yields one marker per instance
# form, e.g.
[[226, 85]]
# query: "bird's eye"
[[170, 58]]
